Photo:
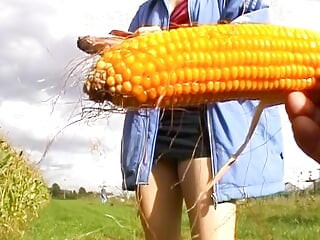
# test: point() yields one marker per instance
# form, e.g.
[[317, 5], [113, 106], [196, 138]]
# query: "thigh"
[[160, 205], [206, 222]]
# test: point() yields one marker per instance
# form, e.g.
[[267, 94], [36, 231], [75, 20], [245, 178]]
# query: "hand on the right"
[[304, 115]]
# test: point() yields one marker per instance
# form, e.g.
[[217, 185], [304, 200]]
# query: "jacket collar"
[[167, 3], [190, 6]]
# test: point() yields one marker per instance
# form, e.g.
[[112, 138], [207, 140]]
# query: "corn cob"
[[196, 65]]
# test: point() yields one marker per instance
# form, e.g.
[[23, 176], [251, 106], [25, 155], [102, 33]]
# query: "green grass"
[[295, 217], [272, 218], [86, 219]]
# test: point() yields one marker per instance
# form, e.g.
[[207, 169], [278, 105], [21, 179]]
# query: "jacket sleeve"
[[236, 8], [137, 20], [142, 17], [134, 25]]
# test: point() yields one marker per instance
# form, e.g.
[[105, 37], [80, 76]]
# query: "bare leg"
[[205, 221], [160, 205]]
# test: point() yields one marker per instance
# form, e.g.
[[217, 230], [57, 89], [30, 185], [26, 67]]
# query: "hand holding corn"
[[197, 65], [304, 115]]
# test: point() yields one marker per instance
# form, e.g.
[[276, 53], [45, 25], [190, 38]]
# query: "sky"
[[41, 73]]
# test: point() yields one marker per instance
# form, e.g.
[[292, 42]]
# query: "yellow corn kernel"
[[197, 65]]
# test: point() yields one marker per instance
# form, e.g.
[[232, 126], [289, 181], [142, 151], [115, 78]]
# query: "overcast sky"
[[38, 53]]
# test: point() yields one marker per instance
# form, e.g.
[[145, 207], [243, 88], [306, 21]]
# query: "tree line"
[[58, 193]]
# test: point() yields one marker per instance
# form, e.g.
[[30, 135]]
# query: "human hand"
[[304, 115], [147, 29]]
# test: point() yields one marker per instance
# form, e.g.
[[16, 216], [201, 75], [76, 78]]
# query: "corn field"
[[22, 192]]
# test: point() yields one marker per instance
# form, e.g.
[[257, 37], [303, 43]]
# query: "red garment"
[[179, 15]]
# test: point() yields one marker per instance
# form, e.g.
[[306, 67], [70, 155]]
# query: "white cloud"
[[87, 150]]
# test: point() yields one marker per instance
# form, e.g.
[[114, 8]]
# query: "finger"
[[146, 30], [307, 135], [298, 104]]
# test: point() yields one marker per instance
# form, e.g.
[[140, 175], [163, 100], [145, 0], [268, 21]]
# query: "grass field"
[[86, 219], [276, 218], [295, 217]]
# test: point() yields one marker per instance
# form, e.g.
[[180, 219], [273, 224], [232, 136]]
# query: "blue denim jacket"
[[259, 170]]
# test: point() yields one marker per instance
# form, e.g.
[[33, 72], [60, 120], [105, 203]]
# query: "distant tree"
[[55, 190], [82, 191], [71, 194]]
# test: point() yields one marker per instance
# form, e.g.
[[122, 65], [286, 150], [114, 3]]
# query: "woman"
[[170, 155]]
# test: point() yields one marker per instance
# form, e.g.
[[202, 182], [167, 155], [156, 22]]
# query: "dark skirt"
[[182, 134]]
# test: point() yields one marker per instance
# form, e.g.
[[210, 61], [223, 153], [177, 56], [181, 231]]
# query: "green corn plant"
[[22, 192]]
